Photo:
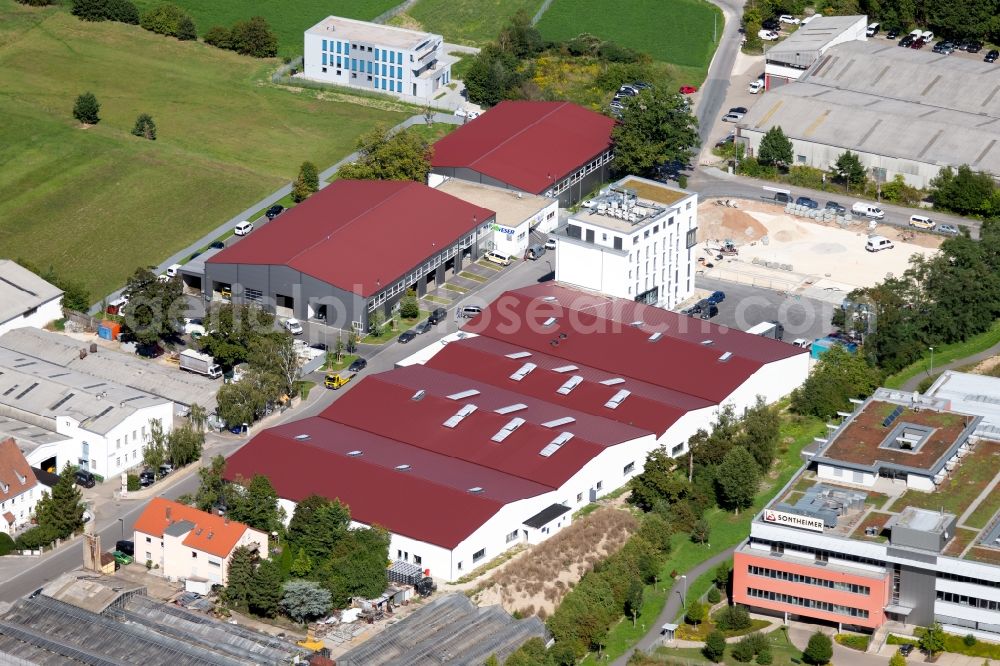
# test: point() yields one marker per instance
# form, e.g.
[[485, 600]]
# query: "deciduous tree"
[[656, 128], [849, 169], [253, 38], [837, 377], [932, 641], [695, 612], [775, 148], [304, 600], [233, 329], [155, 451], [819, 651], [738, 480], [382, 155], [155, 307], [257, 505]]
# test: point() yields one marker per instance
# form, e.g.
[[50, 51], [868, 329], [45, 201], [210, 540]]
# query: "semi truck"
[[768, 329], [203, 364]]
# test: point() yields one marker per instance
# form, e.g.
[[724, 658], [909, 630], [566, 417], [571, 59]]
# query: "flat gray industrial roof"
[[337, 27], [512, 208], [877, 98], [128, 370], [22, 290], [816, 34]]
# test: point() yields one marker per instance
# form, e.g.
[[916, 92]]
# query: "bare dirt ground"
[[544, 574], [765, 234]]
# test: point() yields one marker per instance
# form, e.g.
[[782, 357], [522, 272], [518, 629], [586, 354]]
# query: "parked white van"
[[877, 243], [921, 222], [868, 210]]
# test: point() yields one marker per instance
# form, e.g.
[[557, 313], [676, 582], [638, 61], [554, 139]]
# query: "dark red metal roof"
[[360, 235], [421, 423], [530, 145], [581, 337]]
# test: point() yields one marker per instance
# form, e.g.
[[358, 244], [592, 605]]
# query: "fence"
[[753, 279], [84, 321]]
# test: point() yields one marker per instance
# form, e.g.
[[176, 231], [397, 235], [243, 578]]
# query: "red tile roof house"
[[498, 437], [187, 543], [352, 247], [19, 489], [557, 149]]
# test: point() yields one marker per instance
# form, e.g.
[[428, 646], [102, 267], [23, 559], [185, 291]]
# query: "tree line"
[[320, 563]]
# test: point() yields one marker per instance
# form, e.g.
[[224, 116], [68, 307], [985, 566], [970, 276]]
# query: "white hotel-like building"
[[376, 57]]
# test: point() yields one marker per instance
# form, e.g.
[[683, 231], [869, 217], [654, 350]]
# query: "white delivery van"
[[868, 210], [877, 243], [921, 222], [756, 86]]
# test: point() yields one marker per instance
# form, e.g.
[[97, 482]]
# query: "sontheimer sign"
[[793, 520]]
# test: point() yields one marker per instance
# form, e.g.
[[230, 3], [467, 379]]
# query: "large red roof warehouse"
[[360, 235], [530, 145]]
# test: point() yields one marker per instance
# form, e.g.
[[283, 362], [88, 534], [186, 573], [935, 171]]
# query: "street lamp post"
[[122, 521], [684, 579], [932, 360]]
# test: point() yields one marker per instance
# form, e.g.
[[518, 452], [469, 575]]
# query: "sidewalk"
[[912, 383]]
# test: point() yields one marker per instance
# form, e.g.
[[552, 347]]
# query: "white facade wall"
[[22, 506], [647, 260], [511, 241], [177, 561], [45, 313], [373, 65], [548, 219], [109, 454], [845, 475]]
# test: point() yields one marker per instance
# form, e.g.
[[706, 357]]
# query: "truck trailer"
[[203, 364], [768, 329]]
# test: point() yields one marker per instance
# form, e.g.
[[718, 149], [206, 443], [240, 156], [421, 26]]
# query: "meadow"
[[97, 202], [671, 31], [287, 19], [473, 22]]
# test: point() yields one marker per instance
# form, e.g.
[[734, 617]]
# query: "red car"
[[687, 90]]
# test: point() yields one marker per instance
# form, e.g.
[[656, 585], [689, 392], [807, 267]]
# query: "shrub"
[[757, 641], [819, 651], [854, 641], [219, 37], [743, 651], [86, 109], [6, 543], [133, 483], [969, 640], [37, 3], [695, 613], [897, 660], [764, 657], [714, 596], [165, 19], [806, 176], [37, 537], [732, 618], [715, 646]]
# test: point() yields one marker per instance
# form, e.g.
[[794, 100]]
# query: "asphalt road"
[[716, 86], [746, 306]]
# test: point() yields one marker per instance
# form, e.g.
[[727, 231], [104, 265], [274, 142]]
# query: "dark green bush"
[[133, 482], [6, 543], [714, 596], [36, 537], [743, 651], [732, 618]]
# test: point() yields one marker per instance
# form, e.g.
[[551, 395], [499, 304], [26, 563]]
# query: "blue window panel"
[[338, 62], [369, 66], [383, 84], [399, 72], [354, 64], [383, 56], [324, 45], [399, 58], [392, 57], [376, 55], [383, 69], [324, 60], [392, 86]]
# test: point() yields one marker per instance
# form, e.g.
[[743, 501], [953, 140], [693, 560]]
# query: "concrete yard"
[[815, 258]]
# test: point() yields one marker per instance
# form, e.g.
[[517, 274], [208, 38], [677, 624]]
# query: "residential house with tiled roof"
[[19, 489]]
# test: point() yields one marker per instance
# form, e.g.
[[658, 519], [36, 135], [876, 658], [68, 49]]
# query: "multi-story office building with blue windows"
[[376, 57]]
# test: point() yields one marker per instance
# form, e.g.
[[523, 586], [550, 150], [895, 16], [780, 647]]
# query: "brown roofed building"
[[186, 542], [19, 489]]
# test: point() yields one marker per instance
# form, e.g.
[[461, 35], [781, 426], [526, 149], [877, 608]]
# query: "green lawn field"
[[671, 31], [288, 18], [474, 22], [96, 203]]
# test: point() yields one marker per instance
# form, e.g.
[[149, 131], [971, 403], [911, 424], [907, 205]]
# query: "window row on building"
[[807, 603], [821, 555], [808, 580], [985, 604], [966, 579], [364, 66], [345, 48]]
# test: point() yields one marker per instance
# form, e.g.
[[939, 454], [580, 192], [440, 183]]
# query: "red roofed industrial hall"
[[551, 398], [353, 247], [556, 149]]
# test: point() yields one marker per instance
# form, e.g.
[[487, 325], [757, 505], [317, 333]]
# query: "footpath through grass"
[[727, 530], [640, 25], [473, 22], [96, 203], [944, 354], [288, 20], [784, 653]]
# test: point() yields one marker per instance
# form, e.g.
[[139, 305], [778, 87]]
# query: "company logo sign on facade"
[[793, 520]]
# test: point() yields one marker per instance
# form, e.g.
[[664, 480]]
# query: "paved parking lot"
[[746, 306]]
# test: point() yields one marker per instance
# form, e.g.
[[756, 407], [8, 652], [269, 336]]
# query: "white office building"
[[635, 241], [376, 57]]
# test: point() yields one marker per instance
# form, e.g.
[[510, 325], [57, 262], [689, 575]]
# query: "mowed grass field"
[[474, 22], [96, 203], [287, 18], [671, 31]]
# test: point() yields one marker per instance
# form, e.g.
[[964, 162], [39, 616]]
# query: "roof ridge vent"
[[303, 437], [508, 429], [655, 336], [508, 409], [613, 381], [461, 395], [523, 371], [569, 385], [617, 399], [708, 342], [459, 416]]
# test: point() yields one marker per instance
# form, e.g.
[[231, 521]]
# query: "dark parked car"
[[146, 478], [770, 24], [739, 109], [906, 40], [906, 649], [709, 312], [992, 56], [726, 141], [358, 365], [716, 297], [437, 316], [422, 327], [274, 211], [322, 346], [973, 47], [126, 546], [892, 34], [807, 202], [781, 198], [407, 336], [918, 43], [835, 207], [36, 593], [218, 245], [85, 479]]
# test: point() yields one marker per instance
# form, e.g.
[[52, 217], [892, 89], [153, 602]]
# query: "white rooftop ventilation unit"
[[556, 444], [418, 396], [728, 355], [613, 381], [523, 371], [461, 414], [463, 394], [549, 298], [402, 468], [565, 368], [569, 385], [708, 342], [509, 409], [509, 428], [520, 354], [566, 420], [354, 454], [617, 399], [655, 336]]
